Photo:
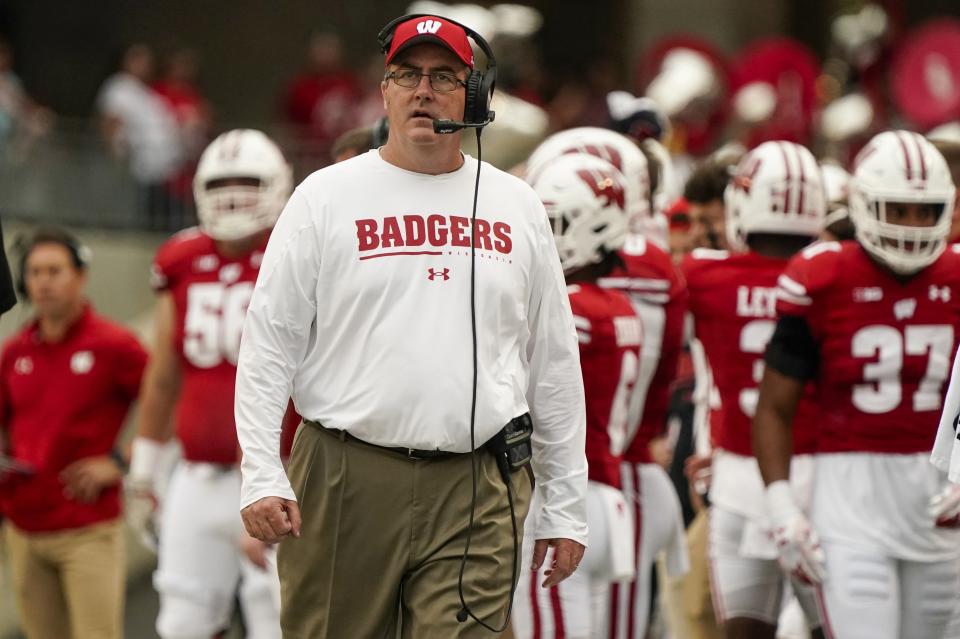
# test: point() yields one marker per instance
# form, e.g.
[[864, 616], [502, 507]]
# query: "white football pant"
[[201, 569], [657, 515], [575, 608], [747, 586], [868, 595]]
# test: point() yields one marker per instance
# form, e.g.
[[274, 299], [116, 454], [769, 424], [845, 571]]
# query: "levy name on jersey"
[[756, 301]]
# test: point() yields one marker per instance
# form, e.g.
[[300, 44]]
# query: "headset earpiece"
[[488, 81], [474, 103]]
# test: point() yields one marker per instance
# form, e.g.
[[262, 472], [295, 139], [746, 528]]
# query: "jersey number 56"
[[214, 322]]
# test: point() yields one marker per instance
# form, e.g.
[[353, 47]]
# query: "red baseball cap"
[[431, 29]]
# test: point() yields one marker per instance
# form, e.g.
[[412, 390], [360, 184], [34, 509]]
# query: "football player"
[[874, 322], [658, 295], [204, 278], [584, 197], [775, 205]]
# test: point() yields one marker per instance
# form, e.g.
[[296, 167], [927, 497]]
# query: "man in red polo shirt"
[[66, 383]]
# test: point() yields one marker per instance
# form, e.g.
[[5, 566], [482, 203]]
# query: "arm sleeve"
[[4, 398], [556, 399], [130, 362], [946, 448], [657, 402], [792, 349], [276, 332]]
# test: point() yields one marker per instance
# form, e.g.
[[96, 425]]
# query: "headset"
[[476, 115], [23, 245], [476, 108]]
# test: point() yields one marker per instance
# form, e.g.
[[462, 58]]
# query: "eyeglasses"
[[442, 81]]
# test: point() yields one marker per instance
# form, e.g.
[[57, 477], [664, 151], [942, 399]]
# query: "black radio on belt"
[[511, 446]]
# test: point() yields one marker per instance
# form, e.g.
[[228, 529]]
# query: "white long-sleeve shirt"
[[946, 447], [361, 313]]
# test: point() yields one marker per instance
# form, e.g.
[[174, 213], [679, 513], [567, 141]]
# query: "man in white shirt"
[[362, 312], [140, 129]]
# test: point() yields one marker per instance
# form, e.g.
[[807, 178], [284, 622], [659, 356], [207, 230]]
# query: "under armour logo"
[[939, 293], [434, 274], [428, 26]]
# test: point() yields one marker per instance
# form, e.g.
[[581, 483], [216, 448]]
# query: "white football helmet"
[[836, 183], [585, 199], [776, 188], [902, 167], [618, 150], [241, 185]]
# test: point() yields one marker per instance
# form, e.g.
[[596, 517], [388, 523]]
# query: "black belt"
[[410, 453]]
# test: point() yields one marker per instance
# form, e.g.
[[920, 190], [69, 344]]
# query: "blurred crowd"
[[875, 74]]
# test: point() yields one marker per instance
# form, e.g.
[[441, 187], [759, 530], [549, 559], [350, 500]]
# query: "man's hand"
[[699, 472], [85, 478], [567, 554], [271, 519], [254, 550], [661, 450], [797, 543], [944, 507]]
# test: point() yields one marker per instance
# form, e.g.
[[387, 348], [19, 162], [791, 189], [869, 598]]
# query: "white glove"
[[798, 546], [944, 507], [141, 506]]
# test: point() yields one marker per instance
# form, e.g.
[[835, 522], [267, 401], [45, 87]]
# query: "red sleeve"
[[654, 419], [173, 258], [806, 273], [581, 319], [130, 361], [5, 361]]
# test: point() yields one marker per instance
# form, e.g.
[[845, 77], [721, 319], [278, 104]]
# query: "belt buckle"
[[412, 454]]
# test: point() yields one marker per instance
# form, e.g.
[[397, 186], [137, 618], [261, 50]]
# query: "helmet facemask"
[[236, 208], [904, 249]]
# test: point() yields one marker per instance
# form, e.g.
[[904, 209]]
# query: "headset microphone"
[[452, 126]]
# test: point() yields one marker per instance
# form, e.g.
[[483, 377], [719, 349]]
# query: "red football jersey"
[[211, 293], [659, 296], [609, 333], [733, 303], [885, 345], [60, 402]]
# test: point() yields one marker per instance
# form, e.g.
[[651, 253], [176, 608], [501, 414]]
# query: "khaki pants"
[[382, 536], [686, 600], [69, 584]]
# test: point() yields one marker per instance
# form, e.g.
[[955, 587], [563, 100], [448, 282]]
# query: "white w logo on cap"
[[428, 26]]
